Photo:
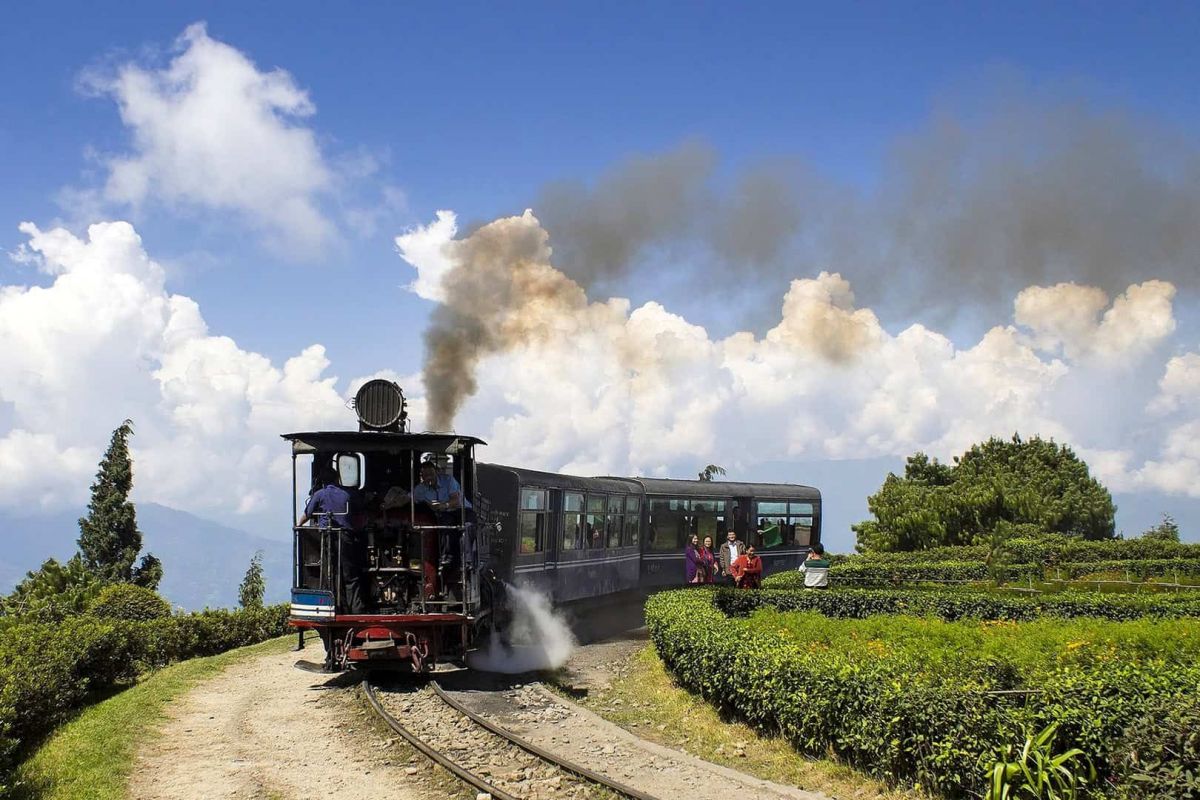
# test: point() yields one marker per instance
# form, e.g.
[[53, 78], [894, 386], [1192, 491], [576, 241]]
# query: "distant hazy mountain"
[[203, 561]]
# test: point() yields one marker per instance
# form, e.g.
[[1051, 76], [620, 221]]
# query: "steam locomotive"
[[436, 575]]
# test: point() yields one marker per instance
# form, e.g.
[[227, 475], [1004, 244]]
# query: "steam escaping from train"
[[540, 638]]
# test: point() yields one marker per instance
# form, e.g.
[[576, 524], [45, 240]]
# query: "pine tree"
[[109, 539], [250, 593]]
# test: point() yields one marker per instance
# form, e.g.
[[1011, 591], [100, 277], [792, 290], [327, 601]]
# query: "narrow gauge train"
[[435, 578]]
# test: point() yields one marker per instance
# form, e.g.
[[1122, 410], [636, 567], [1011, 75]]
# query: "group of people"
[[732, 564], [736, 564]]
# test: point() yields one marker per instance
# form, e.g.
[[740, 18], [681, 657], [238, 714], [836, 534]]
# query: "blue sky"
[[475, 107]]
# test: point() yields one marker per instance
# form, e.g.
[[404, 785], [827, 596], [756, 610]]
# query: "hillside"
[[203, 561]]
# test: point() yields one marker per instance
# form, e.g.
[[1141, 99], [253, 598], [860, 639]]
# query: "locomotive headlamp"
[[381, 406]]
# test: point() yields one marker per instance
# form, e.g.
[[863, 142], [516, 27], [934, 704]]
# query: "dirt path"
[[263, 729]]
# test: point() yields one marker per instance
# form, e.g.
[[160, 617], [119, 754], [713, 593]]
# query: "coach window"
[[708, 519], [572, 534], [668, 522], [534, 519], [616, 507], [784, 523], [633, 519], [594, 527]]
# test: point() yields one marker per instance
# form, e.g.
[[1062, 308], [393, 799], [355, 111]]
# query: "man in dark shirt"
[[330, 505]]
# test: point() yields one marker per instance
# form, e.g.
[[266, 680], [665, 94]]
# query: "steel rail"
[[510, 737], [462, 774], [546, 755]]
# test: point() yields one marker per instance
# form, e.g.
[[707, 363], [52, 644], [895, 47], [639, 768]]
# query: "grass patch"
[[646, 701], [92, 756]]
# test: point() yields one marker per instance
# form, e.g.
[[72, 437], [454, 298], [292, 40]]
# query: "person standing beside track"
[[330, 505]]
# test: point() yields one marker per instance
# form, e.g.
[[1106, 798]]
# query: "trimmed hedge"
[[865, 573], [47, 671], [1048, 549], [885, 572], [953, 605], [908, 699]]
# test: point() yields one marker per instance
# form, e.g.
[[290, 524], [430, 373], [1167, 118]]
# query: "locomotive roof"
[[666, 486], [312, 441]]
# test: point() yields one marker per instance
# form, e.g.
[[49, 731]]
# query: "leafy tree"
[[109, 539], [53, 592], [710, 472], [1165, 531], [992, 492], [250, 593]]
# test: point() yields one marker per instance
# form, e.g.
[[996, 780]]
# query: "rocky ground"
[[263, 729]]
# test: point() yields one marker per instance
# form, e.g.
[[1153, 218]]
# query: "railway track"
[[485, 755]]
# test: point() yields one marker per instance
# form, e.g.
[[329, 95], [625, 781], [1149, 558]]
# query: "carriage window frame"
[[539, 514], [793, 514], [573, 518], [614, 520], [595, 514], [676, 516], [633, 521]]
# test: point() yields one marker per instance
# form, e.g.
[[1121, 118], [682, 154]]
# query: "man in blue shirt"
[[444, 496], [438, 490], [330, 505]]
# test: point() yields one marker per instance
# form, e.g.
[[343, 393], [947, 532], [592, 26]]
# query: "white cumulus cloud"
[[104, 341], [211, 130]]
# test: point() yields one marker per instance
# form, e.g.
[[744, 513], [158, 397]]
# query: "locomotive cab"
[[394, 577]]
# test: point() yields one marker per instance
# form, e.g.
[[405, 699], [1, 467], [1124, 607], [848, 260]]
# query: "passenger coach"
[[579, 538]]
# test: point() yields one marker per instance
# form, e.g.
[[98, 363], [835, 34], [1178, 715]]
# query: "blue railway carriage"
[[581, 538]]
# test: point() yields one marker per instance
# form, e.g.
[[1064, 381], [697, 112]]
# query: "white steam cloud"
[[539, 637]]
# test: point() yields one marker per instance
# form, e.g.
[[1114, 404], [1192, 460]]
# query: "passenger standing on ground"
[[815, 568], [730, 550], [747, 570], [331, 506], [691, 560], [708, 561]]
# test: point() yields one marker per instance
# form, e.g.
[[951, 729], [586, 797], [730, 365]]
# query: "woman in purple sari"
[[691, 561]]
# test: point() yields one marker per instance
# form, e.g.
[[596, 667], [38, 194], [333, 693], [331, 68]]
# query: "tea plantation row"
[[954, 604], [882, 572], [915, 698]]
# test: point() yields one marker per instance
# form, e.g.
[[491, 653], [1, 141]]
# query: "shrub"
[[49, 670], [952, 605], [126, 601], [916, 698], [1160, 752]]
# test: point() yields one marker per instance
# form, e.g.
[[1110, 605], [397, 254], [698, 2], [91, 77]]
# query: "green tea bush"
[[1159, 754], [1045, 549], [921, 699], [48, 670], [125, 601], [888, 572], [954, 604]]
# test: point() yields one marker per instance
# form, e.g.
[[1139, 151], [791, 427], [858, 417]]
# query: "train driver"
[[444, 495]]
